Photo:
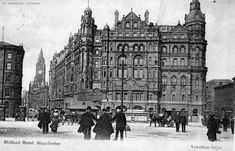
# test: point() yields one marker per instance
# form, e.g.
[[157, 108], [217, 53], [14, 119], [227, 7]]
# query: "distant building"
[[210, 92], [225, 99], [165, 65], [38, 89], [11, 73]]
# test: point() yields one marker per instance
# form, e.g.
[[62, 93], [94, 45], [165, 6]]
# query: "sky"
[[47, 24]]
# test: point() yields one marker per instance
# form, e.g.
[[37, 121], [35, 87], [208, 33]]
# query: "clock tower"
[[39, 79]]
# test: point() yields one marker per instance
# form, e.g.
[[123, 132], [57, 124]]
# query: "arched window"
[[141, 48], [164, 81], [135, 47], [197, 50], [173, 80], [164, 49], [183, 80], [175, 49], [126, 48], [182, 49], [138, 61], [97, 52], [122, 60], [119, 48]]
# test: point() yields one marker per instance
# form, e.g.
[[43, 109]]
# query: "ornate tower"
[[39, 78], [87, 38], [195, 20]]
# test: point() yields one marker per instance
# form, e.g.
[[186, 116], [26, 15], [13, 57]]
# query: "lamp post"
[[122, 65]]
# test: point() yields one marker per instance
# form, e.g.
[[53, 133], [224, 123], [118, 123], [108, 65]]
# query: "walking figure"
[[103, 127], [44, 120], [183, 121], [55, 121], [225, 123], [212, 127], [232, 124], [86, 123], [177, 121], [120, 123]]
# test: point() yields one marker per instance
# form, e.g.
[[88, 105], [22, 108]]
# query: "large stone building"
[[38, 89], [164, 64], [210, 92], [11, 73], [225, 99]]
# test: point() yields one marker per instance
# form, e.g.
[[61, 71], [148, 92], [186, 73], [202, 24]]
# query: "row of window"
[[181, 49], [183, 81], [175, 62], [125, 47], [182, 98]]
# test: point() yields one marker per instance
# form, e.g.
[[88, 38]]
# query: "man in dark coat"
[[177, 121], [225, 122], [103, 127], [212, 127], [120, 123], [183, 121], [86, 123], [232, 125], [44, 120]]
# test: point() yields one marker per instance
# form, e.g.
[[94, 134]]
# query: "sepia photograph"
[[107, 75]]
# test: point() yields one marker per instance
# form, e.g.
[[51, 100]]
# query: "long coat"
[[183, 119], [103, 127], [212, 127], [44, 117], [120, 121], [86, 121]]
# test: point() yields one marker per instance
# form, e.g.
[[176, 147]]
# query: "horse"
[[154, 119]]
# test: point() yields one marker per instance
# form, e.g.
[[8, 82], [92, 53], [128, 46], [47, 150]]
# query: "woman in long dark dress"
[[103, 127], [212, 127]]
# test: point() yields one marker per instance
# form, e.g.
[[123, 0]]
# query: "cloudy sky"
[[47, 24]]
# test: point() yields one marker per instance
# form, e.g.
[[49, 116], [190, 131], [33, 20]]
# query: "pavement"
[[142, 137]]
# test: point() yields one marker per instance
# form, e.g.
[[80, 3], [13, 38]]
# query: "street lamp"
[[123, 63]]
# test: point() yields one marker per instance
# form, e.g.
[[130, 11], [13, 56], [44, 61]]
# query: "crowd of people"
[[103, 127]]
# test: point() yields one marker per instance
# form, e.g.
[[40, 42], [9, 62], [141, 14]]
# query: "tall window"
[[119, 47], [8, 78], [182, 49], [120, 73], [164, 81], [122, 60], [163, 97], [111, 73], [164, 62], [96, 75], [9, 66], [96, 64], [164, 50], [97, 52], [9, 55], [183, 97], [141, 48], [138, 61], [183, 80], [135, 47], [174, 61], [126, 48], [182, 62], [175, 49], [173, 80], [138, 73], [7, 91]]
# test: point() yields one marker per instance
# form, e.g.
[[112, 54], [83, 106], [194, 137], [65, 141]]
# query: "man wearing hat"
[[86, 123], [183, 121], [212, 127]]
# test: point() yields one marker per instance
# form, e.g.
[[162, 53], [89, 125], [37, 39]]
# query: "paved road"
[[141, 137]]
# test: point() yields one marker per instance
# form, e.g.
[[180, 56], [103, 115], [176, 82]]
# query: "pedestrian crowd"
[[103, 127]]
